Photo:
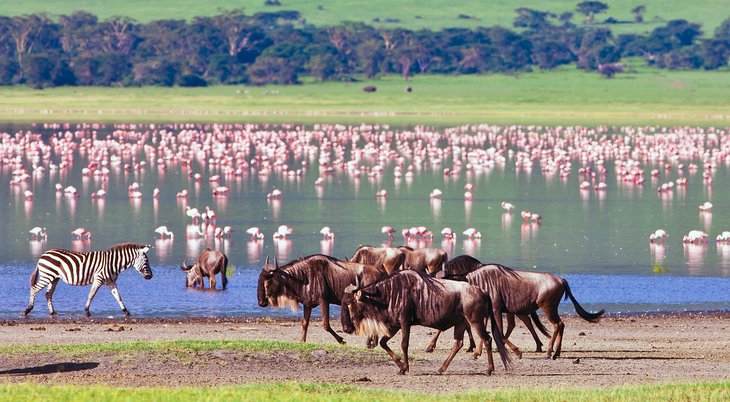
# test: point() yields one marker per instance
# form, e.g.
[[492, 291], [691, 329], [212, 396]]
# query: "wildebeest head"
[[273, 288], [361, 312], [191, 273]]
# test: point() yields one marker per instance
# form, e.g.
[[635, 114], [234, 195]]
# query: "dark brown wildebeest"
[[409, 298], [456, 269], [209, 264], [424, 260], [369, 88], [316, 280], [522, 293], [391, 258]]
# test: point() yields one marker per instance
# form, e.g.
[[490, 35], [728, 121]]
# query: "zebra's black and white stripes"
[[79, 269]]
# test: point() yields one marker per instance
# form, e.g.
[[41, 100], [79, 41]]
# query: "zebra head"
[[142, 263]]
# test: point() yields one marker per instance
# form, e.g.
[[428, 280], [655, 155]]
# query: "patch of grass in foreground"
[[180, 345], [331, 392]]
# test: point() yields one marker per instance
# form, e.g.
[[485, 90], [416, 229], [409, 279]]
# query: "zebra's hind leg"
[[49, 296], [115, 292], [92, 293], [33, 292]]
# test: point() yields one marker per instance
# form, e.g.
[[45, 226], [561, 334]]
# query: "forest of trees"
[[278, 47]]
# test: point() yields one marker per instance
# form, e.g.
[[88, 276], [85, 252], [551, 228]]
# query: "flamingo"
[[658, 236], [37, 232], [192, 213], [208, 215], [695, 237], [472, 233], [723, 237], [156, 193], [508, 206], [469, 187], [221, 191], [706, 207], [526, 215], [319, 182], [424, 233], [435, 194], [282, 232], [99, 194], [28, 195], [468, 196], [327, 233], [381, 194], [255, 233], [388, 231], [274, 195], [81, 234], [448, 233], [163, 232], [227, 231], [182, 194]]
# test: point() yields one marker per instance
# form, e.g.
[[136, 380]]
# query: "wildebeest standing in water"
[[522, 293], [410, 298], [391, 258], [424, 260], [209, 264], [316, 280]]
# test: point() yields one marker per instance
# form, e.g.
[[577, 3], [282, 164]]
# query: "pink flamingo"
[[282, 232], [276, 194], [658, 236], [695, 237], [472, 233], [255, 233], [38, 232], [81, 234], [327, 233], [435, 194], [508, 206], [156, 193], [28, 195], [388, 231], [163, 232], [448, 233], [526, 215], [381, 194], [193, 214], [468, 196]]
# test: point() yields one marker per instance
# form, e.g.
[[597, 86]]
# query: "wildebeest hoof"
[[538, 349], [470, 350], [555, 356], [475, 356], [429, 349], [518, 353]]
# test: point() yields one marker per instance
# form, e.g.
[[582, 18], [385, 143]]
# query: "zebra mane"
[[126, 246]]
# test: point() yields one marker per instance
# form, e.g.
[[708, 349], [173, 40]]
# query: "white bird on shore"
[[255, 234], [164, 232]]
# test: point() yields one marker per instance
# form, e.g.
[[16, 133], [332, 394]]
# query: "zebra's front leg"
[[49, 296], [92, 293], [115, 292]]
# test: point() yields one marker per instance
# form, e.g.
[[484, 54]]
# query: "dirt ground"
[[625, 349]]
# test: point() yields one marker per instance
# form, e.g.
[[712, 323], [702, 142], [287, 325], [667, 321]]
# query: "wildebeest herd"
[[381, 291], [385, 290]]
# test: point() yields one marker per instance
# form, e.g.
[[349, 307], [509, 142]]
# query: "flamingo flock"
[[665, 160]]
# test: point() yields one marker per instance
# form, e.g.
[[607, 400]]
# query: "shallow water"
[[598, 241]]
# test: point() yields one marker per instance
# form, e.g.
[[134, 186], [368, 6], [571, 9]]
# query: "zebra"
[[80, 269]]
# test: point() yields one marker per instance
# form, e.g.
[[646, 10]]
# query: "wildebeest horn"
[[276, 261], [185, 266], [357, 281], [350, 289], [267, 260]]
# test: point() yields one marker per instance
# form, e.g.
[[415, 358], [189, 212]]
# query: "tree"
[[638, 12], [590, 8], [532, 19], [272, 70]]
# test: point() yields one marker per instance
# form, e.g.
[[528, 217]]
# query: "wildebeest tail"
[[592, 317], [34, 277], [497, 335], [224, 266], [538, 324]]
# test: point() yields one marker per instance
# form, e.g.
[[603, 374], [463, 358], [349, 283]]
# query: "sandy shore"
[[627, 349]]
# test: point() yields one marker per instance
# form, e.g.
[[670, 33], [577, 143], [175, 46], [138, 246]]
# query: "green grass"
[[180, 345], [434, 14], [565, 96], [717, 391]]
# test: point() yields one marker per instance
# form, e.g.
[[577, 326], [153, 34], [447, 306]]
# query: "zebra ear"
[[145, 249]]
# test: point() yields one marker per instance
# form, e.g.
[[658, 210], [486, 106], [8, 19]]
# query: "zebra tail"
[[34, 277]]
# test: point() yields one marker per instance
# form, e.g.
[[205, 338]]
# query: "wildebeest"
[[209, 264], [369, 88], [522, 293], [409, 298], [391, 258], [424, 260], [316, 280]]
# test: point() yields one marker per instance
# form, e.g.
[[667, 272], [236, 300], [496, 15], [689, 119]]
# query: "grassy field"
[[565, 96], [433, 14], [718, 391]]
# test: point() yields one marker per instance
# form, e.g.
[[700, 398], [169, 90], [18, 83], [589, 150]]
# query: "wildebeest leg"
[[212, 281], [526, 320], [326, 321], [500, 325], [405, 339], [551, 313], [479, 327], [305, 321], [472, 345], [49, 296], [458, 343], [432, 345], [384, 344]]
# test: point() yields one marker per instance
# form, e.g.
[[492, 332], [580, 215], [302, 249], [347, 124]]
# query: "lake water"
[[598, 240]]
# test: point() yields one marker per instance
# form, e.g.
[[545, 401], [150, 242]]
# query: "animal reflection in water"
[[209, 264]]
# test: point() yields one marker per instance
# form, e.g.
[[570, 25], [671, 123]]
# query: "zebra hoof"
[[126, 312], [52, 313], [88, 314], [27, 311]]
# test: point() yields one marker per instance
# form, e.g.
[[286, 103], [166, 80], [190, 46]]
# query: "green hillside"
[[414, 14]]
